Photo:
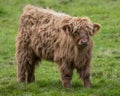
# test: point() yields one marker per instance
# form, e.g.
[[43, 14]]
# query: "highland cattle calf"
[[58, 37]]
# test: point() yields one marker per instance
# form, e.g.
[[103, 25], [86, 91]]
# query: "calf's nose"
[[84, 42]]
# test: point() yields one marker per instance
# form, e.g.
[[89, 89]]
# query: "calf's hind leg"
[[30, 69], [26, 60], [30, 77], [21, 73]]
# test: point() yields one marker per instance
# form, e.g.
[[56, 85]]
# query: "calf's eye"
[[75, 33]]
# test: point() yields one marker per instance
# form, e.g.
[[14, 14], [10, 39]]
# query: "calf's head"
[[81, 30]]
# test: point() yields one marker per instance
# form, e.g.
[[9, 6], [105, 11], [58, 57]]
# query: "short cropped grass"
[[105, 63]]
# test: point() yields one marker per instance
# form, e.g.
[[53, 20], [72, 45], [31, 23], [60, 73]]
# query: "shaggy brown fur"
[[66, 40]]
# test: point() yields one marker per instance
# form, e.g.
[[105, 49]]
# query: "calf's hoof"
[[67, 85], [88, 85]]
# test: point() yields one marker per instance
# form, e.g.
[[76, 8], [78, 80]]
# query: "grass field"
[[106, 60]]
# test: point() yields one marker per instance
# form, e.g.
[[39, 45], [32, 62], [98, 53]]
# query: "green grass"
[[106, 60]]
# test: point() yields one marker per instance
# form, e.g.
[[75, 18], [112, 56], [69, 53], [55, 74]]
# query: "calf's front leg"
[[85, 75], [66, 74]]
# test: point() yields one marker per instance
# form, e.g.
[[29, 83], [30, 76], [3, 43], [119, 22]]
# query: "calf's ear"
[[67, 28], [96, 28]]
